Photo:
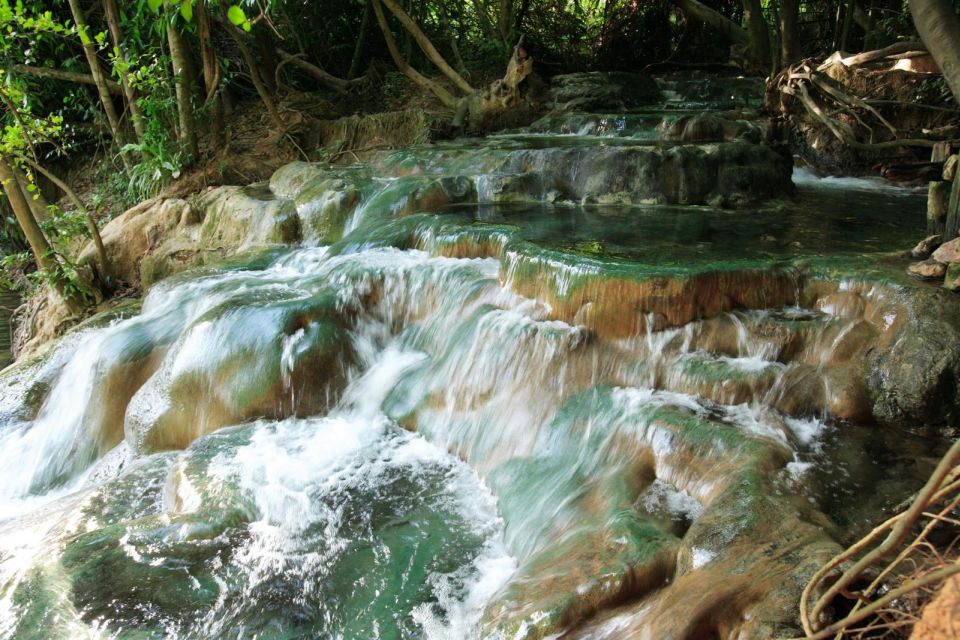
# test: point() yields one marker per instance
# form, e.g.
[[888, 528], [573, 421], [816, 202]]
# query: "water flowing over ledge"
[[490, 393]]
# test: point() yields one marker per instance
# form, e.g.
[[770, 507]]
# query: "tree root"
[[936, 502], [802, 81]]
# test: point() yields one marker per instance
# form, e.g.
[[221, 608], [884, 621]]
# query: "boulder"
[[928, 269], [914, 375], [218, 374], [926, 246], [948, 252], [603, 91]]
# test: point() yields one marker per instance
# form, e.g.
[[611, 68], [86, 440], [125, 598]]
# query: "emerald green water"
[[432, 419]]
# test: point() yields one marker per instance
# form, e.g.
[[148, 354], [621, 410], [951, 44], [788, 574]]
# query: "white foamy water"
[[804, 177]]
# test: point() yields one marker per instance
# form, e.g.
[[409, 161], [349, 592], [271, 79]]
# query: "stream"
[[453, 417]]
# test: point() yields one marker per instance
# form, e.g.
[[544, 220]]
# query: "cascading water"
[[505, 420]]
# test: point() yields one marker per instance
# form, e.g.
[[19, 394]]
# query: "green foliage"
[[156, 168], [65, 276], [13, 271]]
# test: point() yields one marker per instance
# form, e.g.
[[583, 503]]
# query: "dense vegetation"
[[146, 87]]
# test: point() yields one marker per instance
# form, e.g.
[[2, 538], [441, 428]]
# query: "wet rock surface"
[[467, 404]]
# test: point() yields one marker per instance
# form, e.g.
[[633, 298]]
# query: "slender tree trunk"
[[361, 42], [442, 94], [42, 251], [251, 64], [267, 58], [38, 204], [427, 47], [939, 28], [98, 77], [102, 257], [847, 23], [789, 38], [505, 23], [759, 32], [211, 72], [113, 23], [454, 47], [183, 79]]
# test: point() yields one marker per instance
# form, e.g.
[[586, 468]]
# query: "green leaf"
[[246, 26], [236, 15], [154, 4], [186, 10]]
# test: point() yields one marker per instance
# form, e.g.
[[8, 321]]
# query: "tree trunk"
[[952, 226], [251, 63], [67, 76], [505, 23], [98, 78], [727, 27], [847, 23], [938, 199], [105, 269], [38, 204], [361, 42], [267, 58], [442, 94], [113, 23], [42, 251], [211, 72], [183, 79], [759, 33], [454, 47], [790, 50], [428, 47], [939, 28]]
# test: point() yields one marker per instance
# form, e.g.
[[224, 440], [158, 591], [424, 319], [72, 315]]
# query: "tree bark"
[[211, 72], [790, 50], [252, 67], [38, 204], [505, 22], [318, 74], [427, 47], [41, 249], [99, 80], [939, 28], [952, 226], [361, 42], [105, 268], [442, 94], [727, 27], [113, 24], [183, 79], [67, 76], [759, 32]]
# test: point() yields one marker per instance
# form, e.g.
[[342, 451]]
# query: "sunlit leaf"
[[236, 15], [186, 10]]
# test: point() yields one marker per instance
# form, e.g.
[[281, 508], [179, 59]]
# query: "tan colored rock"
[[928, 269], [941, 618], [926, 246], [948, 252]]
